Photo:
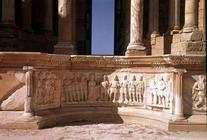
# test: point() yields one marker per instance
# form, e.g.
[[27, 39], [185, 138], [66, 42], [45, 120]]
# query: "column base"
[[65, 48], [178, 117], [27, 115], [136, 50]]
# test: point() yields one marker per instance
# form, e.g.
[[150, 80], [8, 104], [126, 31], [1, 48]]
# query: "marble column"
[[26, 12], [8, 11], [48, 23], [153, 17], [191, 12], [178, 97], [65, 28], [174, 16], [28, 108], [136, 46]]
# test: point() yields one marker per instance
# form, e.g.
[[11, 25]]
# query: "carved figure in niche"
[[199, 94], [40, 92], [83, 86], [92, 88], [114, 88], [153, 92], [105, 88], [53, 82], [67, 89], [77, 91], [168, 90], [124, 90], [161, 90], [140, 89], [132, 89]]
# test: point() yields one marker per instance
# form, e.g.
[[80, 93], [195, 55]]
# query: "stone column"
[[136, 46], [65, 28], [26, 12], [190, 15], [174, 16], [49, 16], [8, 11], [153, 17], [28, 108], [178, 97]]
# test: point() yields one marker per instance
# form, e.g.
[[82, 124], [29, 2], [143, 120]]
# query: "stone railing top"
[[43, 60]]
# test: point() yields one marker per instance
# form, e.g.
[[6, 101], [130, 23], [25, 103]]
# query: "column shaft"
[[65, 27], [153, 17], [190, 15], [174, 15], [178, 97], [28, 108], [136, 46], [8, 11], [26, 12], [49, 16]]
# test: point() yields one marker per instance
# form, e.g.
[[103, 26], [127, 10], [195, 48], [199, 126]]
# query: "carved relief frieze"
[[47, 91], [199, 94]]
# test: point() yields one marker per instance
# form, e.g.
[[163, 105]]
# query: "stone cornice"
[[42, 60]]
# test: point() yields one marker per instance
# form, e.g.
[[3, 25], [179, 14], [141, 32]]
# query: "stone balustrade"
[[150, 87]]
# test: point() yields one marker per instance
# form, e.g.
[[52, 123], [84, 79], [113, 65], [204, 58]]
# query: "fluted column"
[[65, 28], [178, 95], [190, 15], [8, 11], [153, 17], [26, 12], [136, 46]]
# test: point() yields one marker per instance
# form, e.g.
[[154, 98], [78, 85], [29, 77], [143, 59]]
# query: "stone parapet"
[[58, 86]]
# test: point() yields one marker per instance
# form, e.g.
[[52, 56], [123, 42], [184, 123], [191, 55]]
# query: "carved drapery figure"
[[199, 94], [105, 88], [161, 90], [168, 91], [83, 86], [92, 88], [124, 90], [153, 92], [114, 88], [132, 89], [67, 89], [77, 90], [140, 87]]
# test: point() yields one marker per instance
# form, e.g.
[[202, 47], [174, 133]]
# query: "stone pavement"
[[100, 132]]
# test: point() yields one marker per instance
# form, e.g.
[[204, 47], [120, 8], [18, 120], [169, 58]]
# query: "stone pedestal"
[[136, 46], [65, 43]]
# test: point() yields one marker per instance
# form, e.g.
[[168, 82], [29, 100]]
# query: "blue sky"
[[103, 26]]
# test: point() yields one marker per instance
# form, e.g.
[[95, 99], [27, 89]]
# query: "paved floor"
[[100, 132]]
